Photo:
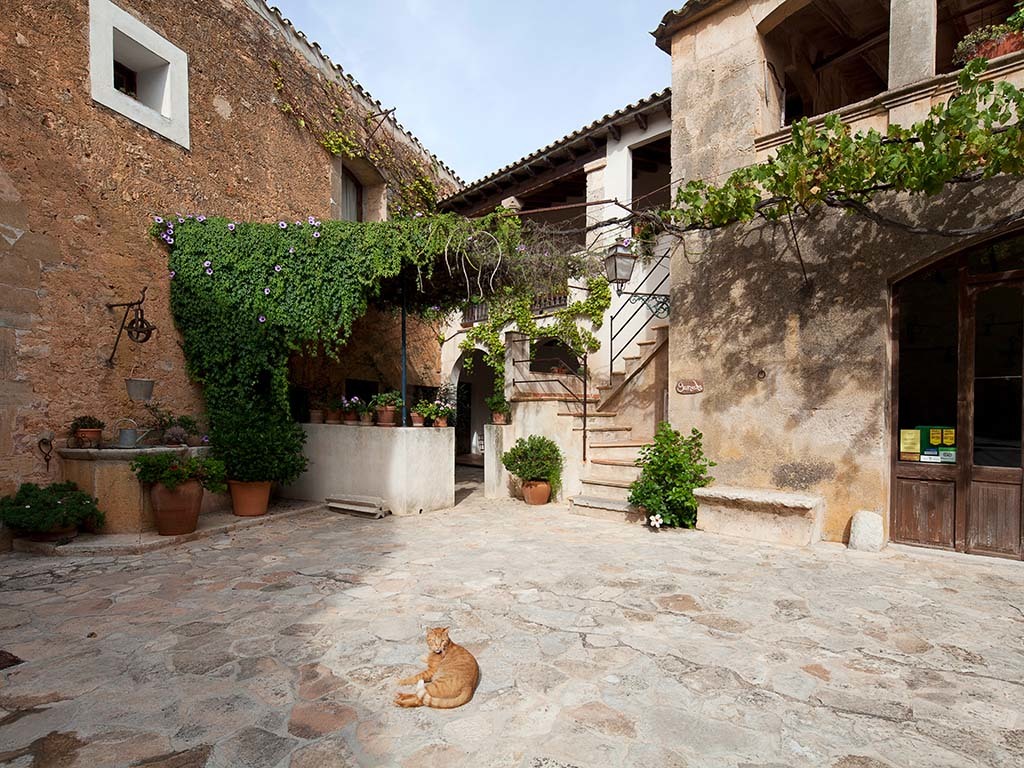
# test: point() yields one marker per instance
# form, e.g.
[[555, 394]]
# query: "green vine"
[[246, 296], [514, 312], [975, 135]]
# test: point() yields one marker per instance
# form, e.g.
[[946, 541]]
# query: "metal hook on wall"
[[139, 328]]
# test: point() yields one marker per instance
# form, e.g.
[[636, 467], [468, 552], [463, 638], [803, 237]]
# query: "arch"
[[472, 388]]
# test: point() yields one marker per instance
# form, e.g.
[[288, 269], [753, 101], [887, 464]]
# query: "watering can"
[[129, 437]]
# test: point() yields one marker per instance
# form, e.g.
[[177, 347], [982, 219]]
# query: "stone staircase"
[[614, 443]]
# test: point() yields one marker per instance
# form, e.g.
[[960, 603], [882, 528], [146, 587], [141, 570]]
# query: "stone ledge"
[[210, 524], [128, 454], [760, 514]]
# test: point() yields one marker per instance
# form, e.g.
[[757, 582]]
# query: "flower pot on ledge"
[[417, 419], [333, 416], [441, 421], [499, 417], [387, 416], [366, 419], [351, 417], [176, 511], [249, 499], [316, 416]]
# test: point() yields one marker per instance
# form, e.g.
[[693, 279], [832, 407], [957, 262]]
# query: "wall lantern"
[[618, 264]]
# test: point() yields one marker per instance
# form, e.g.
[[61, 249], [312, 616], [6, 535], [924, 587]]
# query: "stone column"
[[913, 26]]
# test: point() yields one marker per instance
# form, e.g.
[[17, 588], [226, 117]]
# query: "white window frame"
[[171, 118]]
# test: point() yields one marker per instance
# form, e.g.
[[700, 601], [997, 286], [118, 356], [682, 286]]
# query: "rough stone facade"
[[79, 184]]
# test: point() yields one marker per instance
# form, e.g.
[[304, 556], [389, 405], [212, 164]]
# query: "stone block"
[[498, 438], [867, 531], [759, 514]]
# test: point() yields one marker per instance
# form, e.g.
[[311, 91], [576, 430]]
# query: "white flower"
[[655, 521]]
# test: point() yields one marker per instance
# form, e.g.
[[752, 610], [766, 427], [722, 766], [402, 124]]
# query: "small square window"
[[137, 73]]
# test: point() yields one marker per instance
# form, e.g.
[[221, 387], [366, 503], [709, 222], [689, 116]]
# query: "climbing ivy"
[[247, 295], [513, 311], [977, 134]]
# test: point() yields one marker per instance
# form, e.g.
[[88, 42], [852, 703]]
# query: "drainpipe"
[[405, 368]]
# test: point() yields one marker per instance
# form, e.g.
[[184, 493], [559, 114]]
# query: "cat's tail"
[[450, 702]]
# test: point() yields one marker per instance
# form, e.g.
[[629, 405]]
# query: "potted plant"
[[51, 513], [500, 408], [87, 429], [365, 410], [176, 435], [316, 412], [354, 408], [387, 405], [335, 407], [537, 462], [257, 451], [442, 412], [423, 410], [176, 488], [994, 40]]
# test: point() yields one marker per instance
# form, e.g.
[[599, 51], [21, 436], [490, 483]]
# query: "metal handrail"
[[583, 377], [477, 313], [613, 334]]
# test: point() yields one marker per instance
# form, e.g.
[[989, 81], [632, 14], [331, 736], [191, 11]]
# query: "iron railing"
[[582, 374], [542, 305], [656, 303]]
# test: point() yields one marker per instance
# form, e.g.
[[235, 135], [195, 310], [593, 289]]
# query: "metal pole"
[[405, 363], [585, 376]]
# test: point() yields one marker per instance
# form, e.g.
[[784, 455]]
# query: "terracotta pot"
[[316, 416], [441, 421], [249, 499], [366, 419], [536, 492], [417, 419], [333, 416], [54, 534], [91, 436], [992, 49], [176, 512], [499, 418], [387, 416], [351, 417]]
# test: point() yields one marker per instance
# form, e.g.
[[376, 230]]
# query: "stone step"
[[613, 469], [372, 507], [606, 509], [646, 342], [621, 443], [595, 414], [603, 428], [617, 490], [626, 450], [631, 463]]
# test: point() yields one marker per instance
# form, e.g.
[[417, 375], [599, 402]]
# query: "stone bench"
[[763, 515]]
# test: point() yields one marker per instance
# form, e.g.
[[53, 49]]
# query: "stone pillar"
[[595, 170], [913, 26]]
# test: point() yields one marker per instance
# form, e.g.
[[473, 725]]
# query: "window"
[[137, 73], [351, 197]]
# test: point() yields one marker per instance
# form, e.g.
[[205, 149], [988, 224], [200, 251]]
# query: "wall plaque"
[[689, 386]]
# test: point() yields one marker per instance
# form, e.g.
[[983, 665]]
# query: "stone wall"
[[80, 183], [797, 374]]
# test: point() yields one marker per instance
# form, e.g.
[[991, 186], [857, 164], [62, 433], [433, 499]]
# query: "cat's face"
[[437, 639]]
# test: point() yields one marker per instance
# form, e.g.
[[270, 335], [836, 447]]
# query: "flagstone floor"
[[600, 644]]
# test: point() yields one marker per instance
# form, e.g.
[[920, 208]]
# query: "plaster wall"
[[797, 375], [411, 468]]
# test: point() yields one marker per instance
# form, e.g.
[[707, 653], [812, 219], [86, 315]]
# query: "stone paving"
[[600, 644]]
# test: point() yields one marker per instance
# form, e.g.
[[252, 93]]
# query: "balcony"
[[542, 305]]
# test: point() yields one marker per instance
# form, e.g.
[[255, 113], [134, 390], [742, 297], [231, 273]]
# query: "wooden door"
[[993, 376]]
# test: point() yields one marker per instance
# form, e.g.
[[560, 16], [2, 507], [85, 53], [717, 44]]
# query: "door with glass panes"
[[959, 368]]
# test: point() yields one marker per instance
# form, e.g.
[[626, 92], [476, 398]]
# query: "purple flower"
[[292, 249], [158, 219], [283, 224], [207, 263], [316, 234], [418, 214], [181, 220], [627, 242], [266, 291], [190, 216], [298, 223], [311, 220], [263, 318], [206, 438], [200, 219], [171, 274], [231, 226], [277, 267], [209, 271], [520, 248], [170, 241]]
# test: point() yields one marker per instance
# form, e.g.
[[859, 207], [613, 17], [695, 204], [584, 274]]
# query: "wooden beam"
[[641, 120], [614, 132]]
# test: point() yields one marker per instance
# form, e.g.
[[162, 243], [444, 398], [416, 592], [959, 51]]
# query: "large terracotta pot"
[[536, 492], [417, 419], [992, 49], [387, 416], [249, 499], [499, 417], [176, 512], [333, 416]]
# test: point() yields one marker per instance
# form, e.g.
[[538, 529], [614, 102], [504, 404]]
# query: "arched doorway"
[[958, 403], [473, 380]]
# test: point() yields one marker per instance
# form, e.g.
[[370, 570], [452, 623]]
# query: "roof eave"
[[675, 21]]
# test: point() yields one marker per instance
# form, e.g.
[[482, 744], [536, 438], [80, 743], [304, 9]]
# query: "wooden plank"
[[994, 526], [925, 511]]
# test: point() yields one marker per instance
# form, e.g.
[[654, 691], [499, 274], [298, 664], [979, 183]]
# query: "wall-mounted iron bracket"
[[139, 328]]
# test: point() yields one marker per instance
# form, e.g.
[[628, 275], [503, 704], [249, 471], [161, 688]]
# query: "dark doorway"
[[959, 404]]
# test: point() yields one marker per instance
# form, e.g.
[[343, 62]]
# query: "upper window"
[[138, 73], [957, 19], [351, 197]]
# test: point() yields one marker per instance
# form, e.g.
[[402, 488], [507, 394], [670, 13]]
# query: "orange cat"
[[449, 679]]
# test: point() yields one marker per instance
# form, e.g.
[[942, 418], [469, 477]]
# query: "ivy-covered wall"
[[79, 185]]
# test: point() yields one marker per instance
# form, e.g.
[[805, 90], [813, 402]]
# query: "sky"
[[483, 83]]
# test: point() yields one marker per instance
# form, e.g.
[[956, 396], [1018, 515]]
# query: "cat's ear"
[[444, 631]]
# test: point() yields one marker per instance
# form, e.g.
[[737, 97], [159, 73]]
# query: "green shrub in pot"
[[535, 460], [41, 510]]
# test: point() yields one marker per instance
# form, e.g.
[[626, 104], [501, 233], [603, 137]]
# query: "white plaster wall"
[[411, 468]]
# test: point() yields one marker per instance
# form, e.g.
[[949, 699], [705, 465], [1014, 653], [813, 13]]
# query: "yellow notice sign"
[[949, 437], [910, 441]]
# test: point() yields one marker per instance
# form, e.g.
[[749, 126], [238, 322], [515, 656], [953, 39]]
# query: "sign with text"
[[689, 387]]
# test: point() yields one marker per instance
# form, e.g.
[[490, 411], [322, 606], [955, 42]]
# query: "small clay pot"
[[417, 419], [499, 417], [316, 416], [176, 511], [91, 436], [387, 416], [536, 492], [333, 416], [366, 419], [441, 421], [993, 49], [249, 499], [351, 417]]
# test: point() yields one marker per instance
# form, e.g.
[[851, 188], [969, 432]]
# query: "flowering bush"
[[426, 409], [36, 509], [358, 405], [171, 470], [671, 467]]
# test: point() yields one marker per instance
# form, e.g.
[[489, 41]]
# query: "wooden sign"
[[689, 387]]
